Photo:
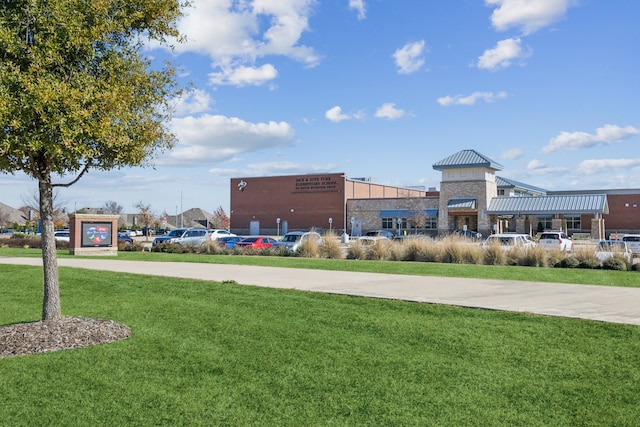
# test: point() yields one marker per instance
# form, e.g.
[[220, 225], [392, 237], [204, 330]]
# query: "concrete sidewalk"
[[602, 303]]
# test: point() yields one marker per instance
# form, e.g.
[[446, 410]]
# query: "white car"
[[508, 241], [218, 233], [606, 249], [633, 242], [556, 240], [62, 236]]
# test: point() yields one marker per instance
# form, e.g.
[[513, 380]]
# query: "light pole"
[[278, 225], [330, 221]]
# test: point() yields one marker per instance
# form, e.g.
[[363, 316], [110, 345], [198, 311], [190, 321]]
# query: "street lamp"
[[330, 222], [278, 225]]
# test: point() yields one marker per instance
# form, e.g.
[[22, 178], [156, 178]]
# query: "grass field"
[[538, 274], [219, 354]]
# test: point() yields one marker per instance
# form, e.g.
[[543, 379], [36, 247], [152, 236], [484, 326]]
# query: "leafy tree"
[[146, 216], [112, 207], [220, 219], [77, 94]]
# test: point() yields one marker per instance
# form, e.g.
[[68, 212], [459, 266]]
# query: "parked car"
[[633, 242], [256, 242], [176, 232], [216, 234], [468, 234], [229, 241], [62, 236], [555, 240], [125, 239], [293, 240], [607, 249], [509, 241], [191, 237], [381, 233]]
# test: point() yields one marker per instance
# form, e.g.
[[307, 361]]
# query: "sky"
[[384, 89]]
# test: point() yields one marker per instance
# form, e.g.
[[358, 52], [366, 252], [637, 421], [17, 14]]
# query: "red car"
[[256, 242]]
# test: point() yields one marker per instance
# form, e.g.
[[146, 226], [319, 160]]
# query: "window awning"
[[406, 213], [461, 204]]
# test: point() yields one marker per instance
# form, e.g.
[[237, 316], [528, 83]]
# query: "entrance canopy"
[[461, 204], [561, 204]]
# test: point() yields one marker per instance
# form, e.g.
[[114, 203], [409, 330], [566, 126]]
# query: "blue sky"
[[385, 88]]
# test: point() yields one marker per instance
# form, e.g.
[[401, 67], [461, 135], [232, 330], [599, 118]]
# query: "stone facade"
[[367, 211], [471, 183]]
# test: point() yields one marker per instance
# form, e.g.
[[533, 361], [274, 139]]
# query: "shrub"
[[494, 254], [356, 250], [569, 262], [533, 257], [331, 246], [211, 248], [397, 251], [615, 263], [635, 267], [309, 248], [586, 257], [589, 263], [379, 250], [452, 250]]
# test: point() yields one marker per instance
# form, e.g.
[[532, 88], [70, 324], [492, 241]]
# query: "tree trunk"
[[51, 302]]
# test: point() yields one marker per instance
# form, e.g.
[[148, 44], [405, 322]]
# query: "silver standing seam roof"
[[467, 159], [564, 204]]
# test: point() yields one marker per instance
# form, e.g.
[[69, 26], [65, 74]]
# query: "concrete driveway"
[[601, 303]]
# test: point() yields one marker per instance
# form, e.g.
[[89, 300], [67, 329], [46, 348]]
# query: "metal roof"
[[506, 182], [461, 204], [406, 213], [467, 158], [562, 204]]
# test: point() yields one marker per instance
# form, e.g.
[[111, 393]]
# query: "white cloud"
[[590, 167], [528, 15], [241, 76], [335, 114], [273, 168], [537, 168], [214, 138], [192, 102], [389, 111], [470, 99], [360, 7], [608, 134], [234, 36], [512, 154], [505, 52], [409, 58]]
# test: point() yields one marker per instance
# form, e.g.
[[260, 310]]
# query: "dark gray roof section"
[[461, 204], [567, 204], [512, 183], [467, 159]]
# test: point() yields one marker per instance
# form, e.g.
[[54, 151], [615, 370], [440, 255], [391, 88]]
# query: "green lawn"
[[537, 274], [222, 354]]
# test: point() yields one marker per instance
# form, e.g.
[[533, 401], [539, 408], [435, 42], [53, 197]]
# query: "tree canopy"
[[76, 93]]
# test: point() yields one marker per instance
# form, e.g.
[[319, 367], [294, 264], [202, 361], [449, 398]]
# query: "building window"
[[387, 223], [545, 223], [501, 192], [573, 222], [431, 223]]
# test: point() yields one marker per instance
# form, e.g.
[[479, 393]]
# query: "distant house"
[[10, 216]]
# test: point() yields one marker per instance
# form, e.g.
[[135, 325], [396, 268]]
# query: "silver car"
[[191, 237], [293, 240]]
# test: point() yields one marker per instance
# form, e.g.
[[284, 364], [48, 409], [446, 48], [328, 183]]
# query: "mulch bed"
[[60, 334]]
